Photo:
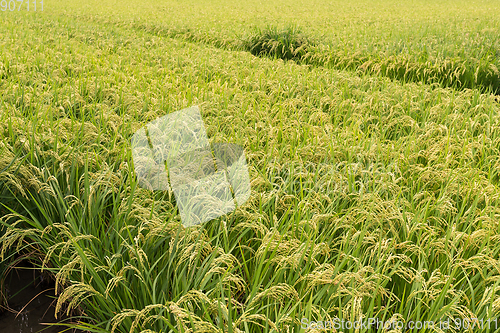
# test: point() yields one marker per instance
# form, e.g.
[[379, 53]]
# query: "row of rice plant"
[[454, 44], [370, 198]]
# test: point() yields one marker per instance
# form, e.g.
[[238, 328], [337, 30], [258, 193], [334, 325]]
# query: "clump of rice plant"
[[280, 43]]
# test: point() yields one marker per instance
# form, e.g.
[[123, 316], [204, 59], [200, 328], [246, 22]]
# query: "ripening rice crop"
[[451, 43], [373, 196]]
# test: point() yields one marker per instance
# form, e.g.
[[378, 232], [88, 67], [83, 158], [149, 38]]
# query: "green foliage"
[[288, 43], [370, 198], [432, 44]]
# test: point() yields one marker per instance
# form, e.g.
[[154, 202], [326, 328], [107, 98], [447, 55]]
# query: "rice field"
[[372, 136]]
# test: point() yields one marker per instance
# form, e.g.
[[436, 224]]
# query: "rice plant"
[[371, 197], [288, 43]]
